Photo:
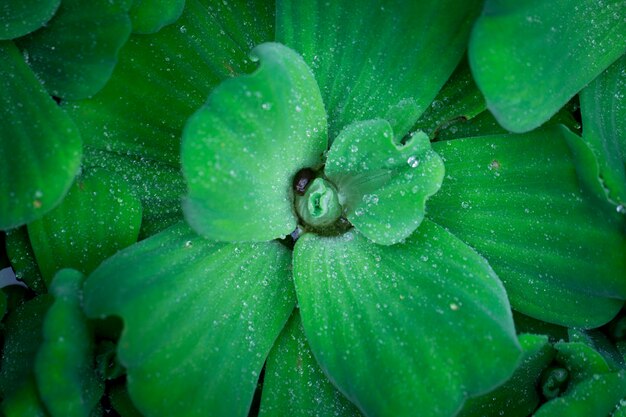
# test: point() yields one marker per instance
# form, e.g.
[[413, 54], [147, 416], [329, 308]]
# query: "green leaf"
[[529, 58], [383, 184], [241, 150], [40, 148], [19, 17], [98, 217], [459, 100], [516, 199], [199, 319], [171, 73], [22, 258], [518, 397], [294, 384], [64, 365], [419, 325], [74, 55], [22, 337], [149, 16], [596, 396], [369, 58], [603, 110], [160, 187], [599, 342]]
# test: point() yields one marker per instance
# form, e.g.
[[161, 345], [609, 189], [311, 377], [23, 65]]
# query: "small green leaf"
[[23, 261], [383, 184], [121, 402], [40, 148], [529, 58], [149, 16], [515, 199], [597, 396], [199, 319], [419, 325], [518, 397], [98, 217], [64, 365], [74, 55], [241, 150], [20, 17], [369, 58], [171, 73], [294, 384], [603, 110]]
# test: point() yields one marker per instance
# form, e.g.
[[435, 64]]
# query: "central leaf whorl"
[[319, 206]]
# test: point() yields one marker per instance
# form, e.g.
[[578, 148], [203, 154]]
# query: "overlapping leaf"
[[40, 147], [98, 217], [199, 319], [529, 58], [19, 17], [242, 149], [391, 325], [370, 58], [516, 199], [383, 184]]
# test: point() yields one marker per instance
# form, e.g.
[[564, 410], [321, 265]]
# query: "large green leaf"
[[171, 74], [64, 365], [603, 109], [40, 148], [241, 150], [294, 384], [414, 326], [74, 55], [19, 17], [369, 58], [518, 397], [529, 58], [98, 217], [383, 184], [149, 16], [25, 402], [516, 199], [199, 319], [597, 396]]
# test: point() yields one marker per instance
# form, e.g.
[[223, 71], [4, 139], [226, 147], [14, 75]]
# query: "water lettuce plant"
[[392, 208]]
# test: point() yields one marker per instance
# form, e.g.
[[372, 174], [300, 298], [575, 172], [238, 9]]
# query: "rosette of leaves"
[[390, 301]]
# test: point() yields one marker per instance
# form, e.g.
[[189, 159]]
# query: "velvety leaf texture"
[[391, 325], [98, 217], [40, 147], [529, 58], [294, 384], [517, 200], [241, 150], [370, 59], [199, 319]]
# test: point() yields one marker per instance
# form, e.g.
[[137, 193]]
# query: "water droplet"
[[465, 204], [413, 161], [266, 106], [621, 209]]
